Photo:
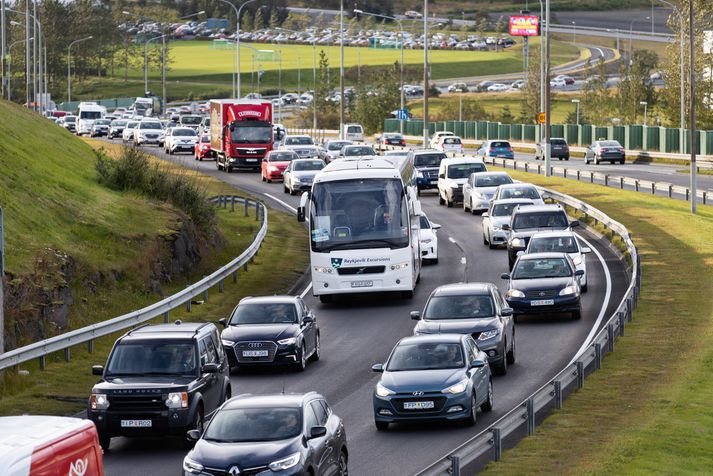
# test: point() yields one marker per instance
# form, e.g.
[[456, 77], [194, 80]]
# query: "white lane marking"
[[303, 293], [451, 239], [605, 304]]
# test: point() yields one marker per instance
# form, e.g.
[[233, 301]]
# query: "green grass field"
[[648, 410]]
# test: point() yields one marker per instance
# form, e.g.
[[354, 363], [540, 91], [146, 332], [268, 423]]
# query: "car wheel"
[[229, 169], [196, 425], [596, 160], [473, 210], [465, 207], [315, 355], [441, 201], [586, 161], [262, 177], [407, 294], [621, 162], [381, 425], [104, 442], [502, 367], [285, 189], [268, 180], [511, 355], [488, 403], [302, 362], [343, 469], [485, 240], [576, 315], [470, 419], [584, 288], [449, 203]]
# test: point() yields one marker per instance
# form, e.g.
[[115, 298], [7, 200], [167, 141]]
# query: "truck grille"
[[270, 347], [251, 152]]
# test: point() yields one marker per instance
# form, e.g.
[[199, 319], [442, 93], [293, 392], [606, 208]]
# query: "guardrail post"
[[257, 211], [221, 285], [578, 175], [66, 354], [636, 185], [225, 201], [687, 192], [188, 306], [530, 415], [232, 203], [497, 444], [591, 177], [455, 465], [245, 266], [558, 394], [670, 191], [620, 315], [527, 166], [630, 309], [539, 169], [43, 361], [610, 335], [580, 374], [235, 276], [621, 183], [165, 317], [90, 346], [246, 207], [653, 188], [705, 195], [597, 356], [565, 172], [606, 180], [205, 295]]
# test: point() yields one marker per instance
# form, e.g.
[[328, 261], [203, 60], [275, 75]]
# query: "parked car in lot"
[[478, 191], [160, 380], [116, 128], [180, 139], [202, 150], [498, 88], [285, 434], [458, 87], [562, 242], [433, 377], [525, 191], [483, 86], [299, 175], [271, 330], [452, 175], [475, 309], [391, 138], [449, 145], [499, 214], [559, 149], [605, 150], [275, 163], [544, 284], [429, 239], [528, 220], [496, 148], [127, 135]]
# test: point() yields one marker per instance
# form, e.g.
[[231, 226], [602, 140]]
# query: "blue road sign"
[[402, 114]]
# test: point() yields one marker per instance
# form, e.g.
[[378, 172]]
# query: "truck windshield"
[[90, 115], [153, 358], [251, 132], [359, 213]]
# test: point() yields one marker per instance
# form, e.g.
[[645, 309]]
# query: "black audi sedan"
[[544, 283], [271, 330], [270, 434], [477, 309]]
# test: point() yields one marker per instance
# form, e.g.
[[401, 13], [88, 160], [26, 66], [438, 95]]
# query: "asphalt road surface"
[[362, 330]]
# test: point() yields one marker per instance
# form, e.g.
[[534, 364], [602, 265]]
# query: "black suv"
[[270, 434], [527, 220], [426, 162], [160, 380]]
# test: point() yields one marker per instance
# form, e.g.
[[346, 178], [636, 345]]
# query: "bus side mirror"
[[301, 209]]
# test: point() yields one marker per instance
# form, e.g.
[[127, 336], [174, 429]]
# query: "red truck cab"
[[49, 446], [240, 133]]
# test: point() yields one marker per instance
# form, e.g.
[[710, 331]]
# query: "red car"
[[203, 150], [275, 164]]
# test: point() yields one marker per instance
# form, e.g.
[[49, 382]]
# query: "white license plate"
[[250, 160], [136, 423], [433, 181], [254, 353], [362, 284], [427, 405], [542, 302]]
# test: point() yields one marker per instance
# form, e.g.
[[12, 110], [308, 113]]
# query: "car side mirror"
[[97, 370], [317, 432], [193, 435], [308, 319], [223, 321], [379, 368], [485, 215], [579, 272], [210, 368], [574, 224], [506, 311], [520, 253], [435, 226], [505, 227], [477, 363], [415, 315], [505, 276], [442, 176], [586, 250]]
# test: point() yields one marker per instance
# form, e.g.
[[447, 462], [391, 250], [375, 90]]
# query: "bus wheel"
[[407, 294]]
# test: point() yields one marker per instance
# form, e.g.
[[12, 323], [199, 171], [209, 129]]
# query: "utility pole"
[[548, 148], [691, 31], [163, 68], [34, 56], [425, 73], [3, 50], [2, 284], [341, 69], [27, 53]]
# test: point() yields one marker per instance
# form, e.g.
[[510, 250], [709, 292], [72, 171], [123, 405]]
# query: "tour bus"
[[363, 228]]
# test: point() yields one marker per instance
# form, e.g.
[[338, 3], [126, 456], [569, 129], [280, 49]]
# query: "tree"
[[481, 27], [635, 85], [247, 22], [259, 19], [274, 18], [530, 91], [377, 96], [596, 99]]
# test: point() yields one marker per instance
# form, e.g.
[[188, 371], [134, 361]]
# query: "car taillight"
[[403, 142], [604, 150], [491, 150]]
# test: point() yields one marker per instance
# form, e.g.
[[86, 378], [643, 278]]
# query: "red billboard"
[[524, 25]]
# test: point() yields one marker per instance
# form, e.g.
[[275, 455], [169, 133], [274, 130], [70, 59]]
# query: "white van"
[[353, 132], [88, 112], [453, 174]]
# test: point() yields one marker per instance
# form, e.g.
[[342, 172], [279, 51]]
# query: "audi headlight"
[[488, 334], [515, 293], [99, 401], [577, 260], [192, 467], [228, 343], [570, 290], [177, 400], [460, 387], [396, 267], [323, 269], [382, 391], [285, 463], [518, 243], [288, 341]]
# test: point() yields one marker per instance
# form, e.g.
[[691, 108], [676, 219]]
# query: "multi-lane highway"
[[362, 330]]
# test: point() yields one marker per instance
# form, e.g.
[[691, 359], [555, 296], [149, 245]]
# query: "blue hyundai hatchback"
[[433, 377], [496, 148]]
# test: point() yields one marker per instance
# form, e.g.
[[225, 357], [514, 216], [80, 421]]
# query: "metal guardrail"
[[522, 419], [64, 342]]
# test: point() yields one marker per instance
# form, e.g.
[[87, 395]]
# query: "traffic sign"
[[402, 114], [542, 118]]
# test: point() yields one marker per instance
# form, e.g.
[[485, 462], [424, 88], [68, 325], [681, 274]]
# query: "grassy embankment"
[[648, 410], [51, 199]]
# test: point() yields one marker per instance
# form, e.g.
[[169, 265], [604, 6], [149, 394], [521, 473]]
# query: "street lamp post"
[[146, 61], [631, 33], [574, 33], [69, 66], [576, 101], [692, 99], [341, 69], [401, 28], [237, 41], [425, 73], [682, 132], [38, 34], [646, 106], [9, 64], [548, 148]]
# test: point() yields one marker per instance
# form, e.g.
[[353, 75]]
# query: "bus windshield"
[[359, 213]]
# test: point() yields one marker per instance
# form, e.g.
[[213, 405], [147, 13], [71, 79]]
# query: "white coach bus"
[[363, 228]]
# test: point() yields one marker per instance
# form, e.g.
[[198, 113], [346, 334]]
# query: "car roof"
[[427, 151], [462, 289], [176, 330], [490, 173], [550, 207], [523, 201], [270, 299], [435, 338], [554, 234], [271, 400], [530, 256], [517, 185]]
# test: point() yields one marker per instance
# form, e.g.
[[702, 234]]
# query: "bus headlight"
[[323, 269], [396, 267]]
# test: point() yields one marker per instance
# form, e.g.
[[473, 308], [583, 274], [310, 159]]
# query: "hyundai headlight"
[[192, 467], [323, 269], [288, 341], [570, 290], [99, 401], [285, 463], [488, 334], [177, 400], [396, 267], [460, 387], [382, 391], [515, 293]]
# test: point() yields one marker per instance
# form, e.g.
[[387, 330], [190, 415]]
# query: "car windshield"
[[558, 142], [299, 141], [354, 130], [282, 156], [497, 145], [451, 140], [426, 356], [428, 160], [524, 221], [557, 244], [337, 145], [191, 120], [359, 213], [308, 165], [264, 313], [131, 125], [492, 180], [460, 171], [460, 307], [359, 150], [184, 132], [118, 123], [610, 143], [519, 192], [238, 425], [505, 209], [205, 139], [541, 268], [70, 119], [102, 122], [150, 125], [153, 358], [251, 132], [393, 136]]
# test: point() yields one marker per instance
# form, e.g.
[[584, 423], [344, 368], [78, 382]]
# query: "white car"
[[299, 175], [180, 139], [332, 149], [479, 189], [519, 190], [458, 88], [127, 134], [449, 144], [437, 136], [429, 239], [558, 83], [562, 242], [453, 174], [148, 131], [498, 215], [100, 128], [498, 87], [301, 145]]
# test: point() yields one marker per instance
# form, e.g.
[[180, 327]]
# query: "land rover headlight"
[[177, 400], [99, 401]]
